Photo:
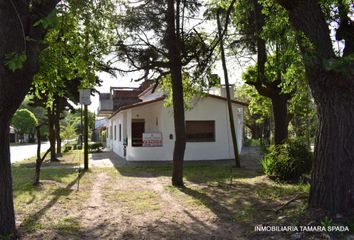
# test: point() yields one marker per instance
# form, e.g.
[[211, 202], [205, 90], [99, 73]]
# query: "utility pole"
[[85, 100], [86, 166]]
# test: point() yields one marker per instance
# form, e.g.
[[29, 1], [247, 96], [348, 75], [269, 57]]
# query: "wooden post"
[[86, 167]]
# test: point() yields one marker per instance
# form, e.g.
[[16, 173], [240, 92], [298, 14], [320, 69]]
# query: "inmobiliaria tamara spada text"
[[266, 228]]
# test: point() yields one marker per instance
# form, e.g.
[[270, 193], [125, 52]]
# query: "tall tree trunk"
[[281, 119], [58, 139], [256, 130], [58, 109], [227, 85], [38, 160], [174, 55], [7, 213], [332, 184], [51, 135]]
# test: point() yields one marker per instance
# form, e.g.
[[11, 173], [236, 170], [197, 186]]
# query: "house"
[[144, 130]]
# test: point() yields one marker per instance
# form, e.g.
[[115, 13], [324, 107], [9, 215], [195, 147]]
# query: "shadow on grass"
[[195, 171], [30, 222]]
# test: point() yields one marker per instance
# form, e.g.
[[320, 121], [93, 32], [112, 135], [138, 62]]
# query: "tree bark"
[[7, 213], [58, 109], [227, 85], [174, 55], [58, 138], [52, 135], [17, 20], [256, 130], [38, 163], [332, 183], [281, 119]]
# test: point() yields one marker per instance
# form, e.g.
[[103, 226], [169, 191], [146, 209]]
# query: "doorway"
[[138, 128]]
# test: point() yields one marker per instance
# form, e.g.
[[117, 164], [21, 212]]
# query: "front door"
[[138, 128]]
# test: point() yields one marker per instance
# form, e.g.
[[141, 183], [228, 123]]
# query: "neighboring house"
[[100, 126], [16, 137], [144, 131], [13, 135]]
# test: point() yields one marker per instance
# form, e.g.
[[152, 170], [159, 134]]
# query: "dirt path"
[[162, 215], [97, 214]]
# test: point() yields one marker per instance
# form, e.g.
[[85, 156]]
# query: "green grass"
[[138, 201], [68, 226], [72, 158]]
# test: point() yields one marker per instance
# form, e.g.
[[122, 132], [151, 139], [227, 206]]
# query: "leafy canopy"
[[24, 121]]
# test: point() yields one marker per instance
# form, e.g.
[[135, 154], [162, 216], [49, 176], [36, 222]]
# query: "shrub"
[[287, 161], [95, 146], [68, 147]]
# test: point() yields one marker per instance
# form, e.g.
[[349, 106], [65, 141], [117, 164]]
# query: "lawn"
[[140, 203]]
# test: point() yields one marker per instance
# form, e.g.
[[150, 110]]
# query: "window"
[[200, 131], [120, 132], [115, 132]]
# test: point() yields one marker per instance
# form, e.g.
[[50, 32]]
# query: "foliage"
[[74, 119], [15, 61], [24, 121], [95, 146], [80, 35], [259, 107], [68, 131], [142, 42], [287, 161], [38, 111], [191, 89]]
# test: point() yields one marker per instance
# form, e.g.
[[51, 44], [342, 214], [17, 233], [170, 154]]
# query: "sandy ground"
[[141, 205]]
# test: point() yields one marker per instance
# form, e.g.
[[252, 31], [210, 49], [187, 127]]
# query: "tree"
[[77, 45], [20, 44], [24, 121], [331, 79], [226, 77], [68, 131], [159, 42], [258, 113], [265, 31]]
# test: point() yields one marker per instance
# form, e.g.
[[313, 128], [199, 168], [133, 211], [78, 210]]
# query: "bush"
[[72, 145], [68, 147], [95, 146], [288, 161]]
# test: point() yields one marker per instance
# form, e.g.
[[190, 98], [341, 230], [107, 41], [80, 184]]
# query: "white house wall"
[[117, 143], [222, 148], [159, 119], [154, 123]]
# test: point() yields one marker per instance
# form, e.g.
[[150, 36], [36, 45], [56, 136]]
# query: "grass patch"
[[72, 158], [276, 190], [68, 226], [137, 201]]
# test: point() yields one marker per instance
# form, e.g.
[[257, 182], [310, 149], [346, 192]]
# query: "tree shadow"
[[32, 219], [195, 171]]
